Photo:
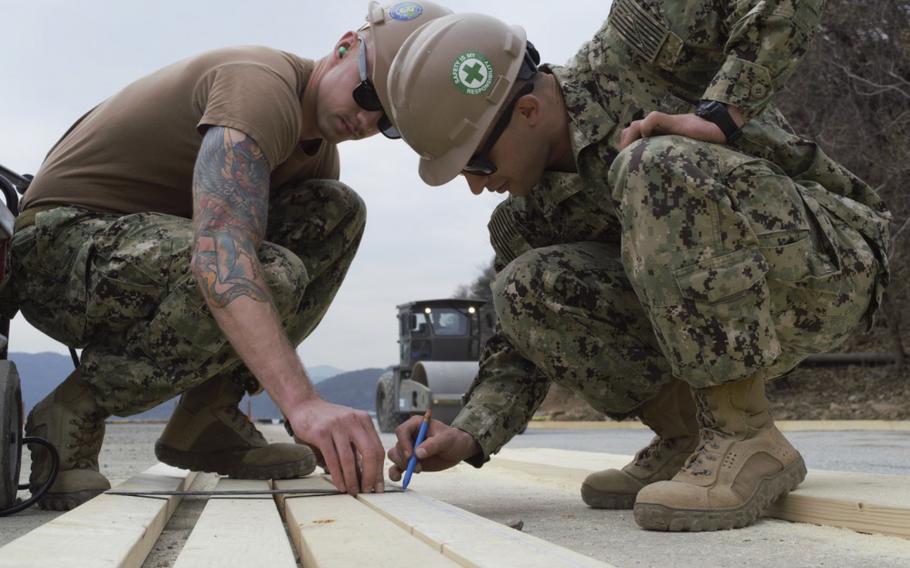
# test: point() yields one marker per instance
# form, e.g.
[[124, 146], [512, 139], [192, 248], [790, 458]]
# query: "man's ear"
[[529, 107], [345, 44]]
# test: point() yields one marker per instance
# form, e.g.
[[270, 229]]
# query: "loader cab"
[[439, 330]]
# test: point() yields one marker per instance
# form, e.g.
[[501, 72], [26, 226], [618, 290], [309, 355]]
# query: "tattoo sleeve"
[[230, 209]]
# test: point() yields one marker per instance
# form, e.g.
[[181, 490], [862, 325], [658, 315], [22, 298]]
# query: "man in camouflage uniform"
[[188, 233], [666, 236]]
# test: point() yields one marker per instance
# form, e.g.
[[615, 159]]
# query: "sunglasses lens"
[[388, 129], [366, 98], [477, 167]]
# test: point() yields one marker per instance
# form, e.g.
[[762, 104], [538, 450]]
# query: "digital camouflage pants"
[[728, 269], [120, 287]]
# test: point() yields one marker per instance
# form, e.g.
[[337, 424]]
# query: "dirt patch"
[[846, 393], [808, 393]]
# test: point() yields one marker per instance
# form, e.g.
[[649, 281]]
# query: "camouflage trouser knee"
[[571, 311], [741, 270], [120, 287]]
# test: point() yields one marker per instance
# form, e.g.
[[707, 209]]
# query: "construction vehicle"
[[12, 416], [439, 347]]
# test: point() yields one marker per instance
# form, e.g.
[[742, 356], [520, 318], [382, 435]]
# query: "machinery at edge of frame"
[[439, 347], [12, 416]]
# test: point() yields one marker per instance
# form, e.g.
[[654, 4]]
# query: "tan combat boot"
[[671, 414], [207, 432], [742, 465], [71, 420]]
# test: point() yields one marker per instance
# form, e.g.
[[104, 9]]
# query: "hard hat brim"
[[440, 170]]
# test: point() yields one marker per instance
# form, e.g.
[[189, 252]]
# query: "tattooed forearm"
[[230, 208]]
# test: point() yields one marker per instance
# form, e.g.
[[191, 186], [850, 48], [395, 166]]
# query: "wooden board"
[[556, 468], [469, 539], [784, 425], [864, 502], [340, 531], [107, 531], [239, 532], [590, 461], [868, 503]]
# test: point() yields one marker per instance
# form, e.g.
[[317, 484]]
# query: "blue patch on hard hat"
[[406, 11]]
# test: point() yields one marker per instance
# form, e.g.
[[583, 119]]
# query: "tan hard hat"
[[389, 27], [447, 84]]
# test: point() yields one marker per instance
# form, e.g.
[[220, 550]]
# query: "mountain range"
[[40, 372]]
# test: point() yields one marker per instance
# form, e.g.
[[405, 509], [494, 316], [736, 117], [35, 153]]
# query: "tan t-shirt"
[[136, 151]]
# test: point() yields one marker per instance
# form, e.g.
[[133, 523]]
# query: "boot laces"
[[648, 457], [243, 424], [706, 453]]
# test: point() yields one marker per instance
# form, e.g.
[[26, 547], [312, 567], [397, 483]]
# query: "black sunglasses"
[[366, 97], [480, 163]]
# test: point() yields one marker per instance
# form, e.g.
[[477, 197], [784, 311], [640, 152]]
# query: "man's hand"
[[689, 125], [444, 447], [347, 442]]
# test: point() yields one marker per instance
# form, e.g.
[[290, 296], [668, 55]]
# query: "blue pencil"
[[412, 463]]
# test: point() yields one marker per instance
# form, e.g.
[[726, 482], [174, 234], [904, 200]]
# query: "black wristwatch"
[[717, 113]]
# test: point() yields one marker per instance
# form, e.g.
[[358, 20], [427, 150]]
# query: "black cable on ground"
[[237, 493], [55, 466]]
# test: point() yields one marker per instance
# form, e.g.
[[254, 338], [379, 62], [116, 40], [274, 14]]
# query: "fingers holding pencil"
[[412, 462], [441, 448]]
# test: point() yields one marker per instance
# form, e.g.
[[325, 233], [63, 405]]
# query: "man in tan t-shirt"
[[187, 233]]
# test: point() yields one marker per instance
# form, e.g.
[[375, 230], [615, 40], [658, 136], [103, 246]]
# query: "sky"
[[60, 58]]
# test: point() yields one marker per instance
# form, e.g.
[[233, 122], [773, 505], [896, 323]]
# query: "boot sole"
[[601, 500], [662, 518], [230, 466], [67, 501]]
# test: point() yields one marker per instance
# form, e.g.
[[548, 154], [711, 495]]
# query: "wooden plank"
[[469, 539], [867, 503], [340, 531], [864, 502], [557, 468], [843, 425], [784, 425], [585, 425], [238, 532], [109, 530], [590, 461]]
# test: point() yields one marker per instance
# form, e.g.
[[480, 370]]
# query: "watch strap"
[[717, 112]]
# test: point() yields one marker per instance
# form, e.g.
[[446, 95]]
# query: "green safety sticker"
[[472, 73]]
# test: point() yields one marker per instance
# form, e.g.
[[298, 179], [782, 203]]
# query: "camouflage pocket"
[[721, 329], [55, 268], [183, 331], [131, 266], [797, 260], [816, 303]]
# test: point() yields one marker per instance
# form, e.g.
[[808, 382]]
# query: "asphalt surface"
[[557, 514], [872, 452]]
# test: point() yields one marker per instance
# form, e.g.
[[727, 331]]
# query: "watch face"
[[706, 108]]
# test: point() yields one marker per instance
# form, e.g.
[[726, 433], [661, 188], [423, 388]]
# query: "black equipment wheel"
[[386, 415], [11, 420]]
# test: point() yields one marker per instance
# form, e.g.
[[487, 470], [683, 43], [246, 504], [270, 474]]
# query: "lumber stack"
[[238, 531], [326, 530], [311, 525], [391, 528], [109, 530]]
